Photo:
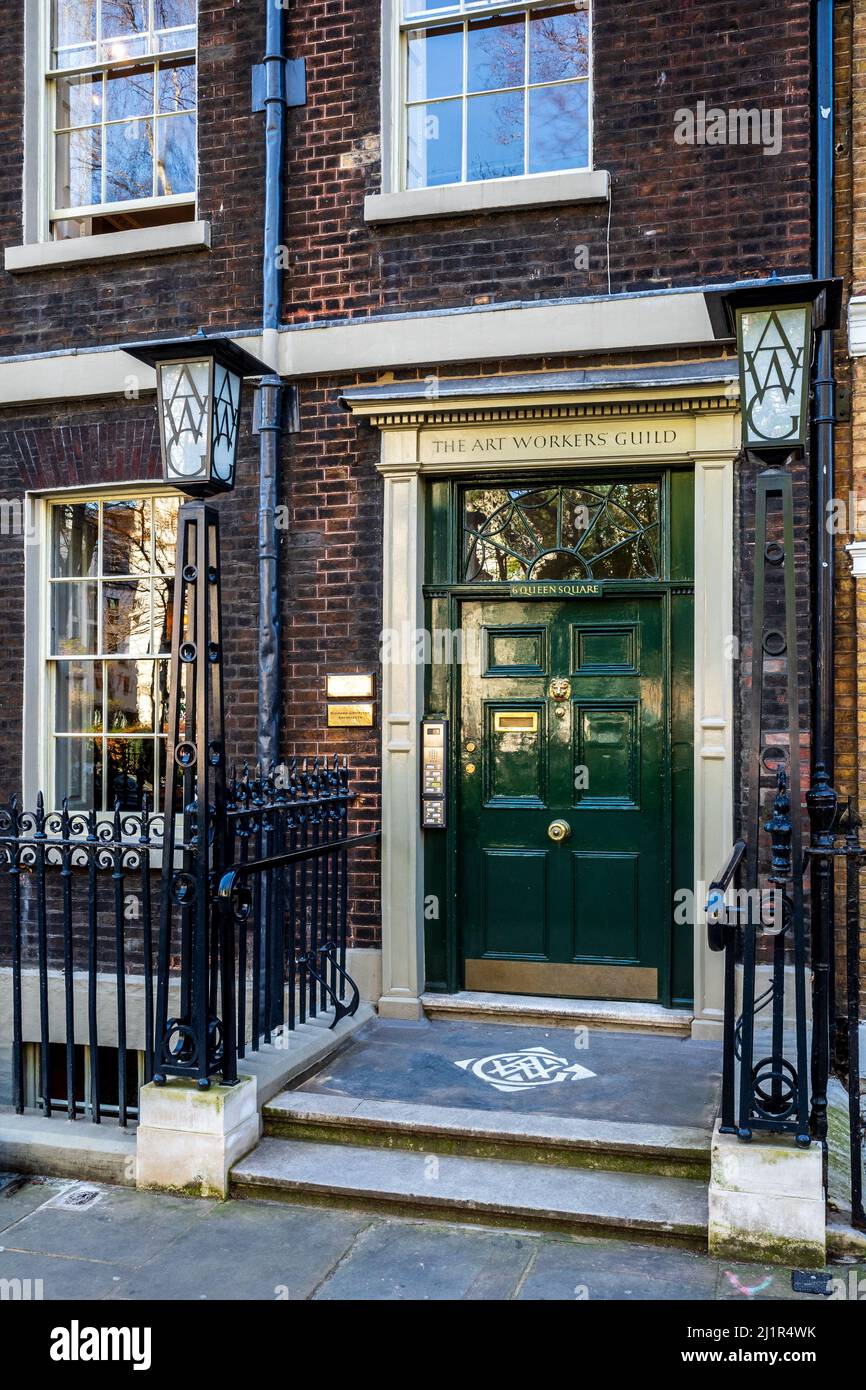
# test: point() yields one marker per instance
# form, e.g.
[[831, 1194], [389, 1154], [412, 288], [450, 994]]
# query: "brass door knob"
[[558, 831]]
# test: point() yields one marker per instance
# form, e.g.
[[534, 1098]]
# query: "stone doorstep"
[[57, 1147], [559, 1013], [676, 1151], [513, 1194]]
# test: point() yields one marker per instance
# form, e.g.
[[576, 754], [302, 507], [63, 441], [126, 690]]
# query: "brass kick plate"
[[505, 723], [564, 981]]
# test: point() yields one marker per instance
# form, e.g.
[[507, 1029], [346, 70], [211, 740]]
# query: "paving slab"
[[631, 1079], [269, 1251], [50, 1278], [119, 1226], [242, 1252], [21, 1195], [604, 1270], [395, 1261]]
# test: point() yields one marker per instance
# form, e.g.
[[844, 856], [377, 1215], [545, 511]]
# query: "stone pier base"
[[188, 1140], [767, 1201]]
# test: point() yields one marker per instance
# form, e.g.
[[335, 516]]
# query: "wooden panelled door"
[[564, 840]]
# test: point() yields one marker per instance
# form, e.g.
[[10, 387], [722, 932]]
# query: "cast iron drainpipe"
[[823, 425], [271, 390]]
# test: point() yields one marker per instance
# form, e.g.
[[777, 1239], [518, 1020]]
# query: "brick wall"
[[679, 214]]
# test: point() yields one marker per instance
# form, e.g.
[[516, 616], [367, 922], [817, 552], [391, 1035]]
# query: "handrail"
[[230, 877], [716, 908]]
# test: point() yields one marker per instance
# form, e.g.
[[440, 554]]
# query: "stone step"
[[479, 1190], [620, 1017], [668, 1151]]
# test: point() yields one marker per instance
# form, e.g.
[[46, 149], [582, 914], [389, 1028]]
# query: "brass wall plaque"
[[357, 716], [351, 686]]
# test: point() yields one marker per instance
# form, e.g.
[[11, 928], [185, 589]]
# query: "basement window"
[[121, 104]]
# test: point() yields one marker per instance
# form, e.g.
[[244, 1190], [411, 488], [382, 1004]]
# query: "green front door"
[[563, 842]]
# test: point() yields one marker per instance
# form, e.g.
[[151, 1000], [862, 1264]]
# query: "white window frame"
[[38, 185], [395, 49], [38, 761]]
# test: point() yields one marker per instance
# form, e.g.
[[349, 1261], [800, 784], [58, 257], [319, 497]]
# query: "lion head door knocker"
[[560, 691]]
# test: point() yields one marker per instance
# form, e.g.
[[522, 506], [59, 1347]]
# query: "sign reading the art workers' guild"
[[576, 588], [614, 439]]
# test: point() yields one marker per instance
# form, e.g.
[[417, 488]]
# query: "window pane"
[[129, 93], [412, 7], [177, 86], [495, 136], [124, 29], [132, 696], [78, 701], [558, 127], [175, 39], [129, 161], [74, 32], [73, 619], [497, 53], [436, 63], [126, 617], [75, 541], [175, 170], [78, 172], [163, 614], [165, 511], [172, 14], [558, 45], [79, 101], [435, 153], [130, 769], [78, 773], [126, 542]]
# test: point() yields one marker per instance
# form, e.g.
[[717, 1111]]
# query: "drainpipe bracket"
[[288, 80]]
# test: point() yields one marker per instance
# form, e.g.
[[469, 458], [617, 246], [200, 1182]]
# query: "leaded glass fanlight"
[[587, 531]]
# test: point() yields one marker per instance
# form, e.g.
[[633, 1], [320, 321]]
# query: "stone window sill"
[[495, 195], [112, 246]]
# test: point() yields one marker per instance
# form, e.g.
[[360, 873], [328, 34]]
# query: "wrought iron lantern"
[[774, 346], [199, 386], [774, 324]]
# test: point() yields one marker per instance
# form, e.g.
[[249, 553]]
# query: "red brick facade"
[[678, 217]]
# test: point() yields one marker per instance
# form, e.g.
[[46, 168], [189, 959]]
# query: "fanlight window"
[[597, 531]]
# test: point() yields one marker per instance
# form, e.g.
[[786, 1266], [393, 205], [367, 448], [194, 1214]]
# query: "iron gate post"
[[823, 807], [195, 1042]]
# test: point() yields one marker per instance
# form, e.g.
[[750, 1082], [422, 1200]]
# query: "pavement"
[[82, 1241]]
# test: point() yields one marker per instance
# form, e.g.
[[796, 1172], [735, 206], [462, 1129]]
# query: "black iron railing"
[[836, 897], [78, 907], [286, 897], [79, 925], [785, 1091], [767, 1092]]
